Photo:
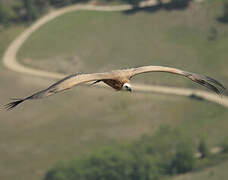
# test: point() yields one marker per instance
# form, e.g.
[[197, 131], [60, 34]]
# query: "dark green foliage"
[[183, 161], [30, 10], [107, 164], [150, 158], [62, 173], [178, 4], [225, 10], [224, 17], [34, 8], [22, 11], [203, 149], [225, 145], [110, 164], [104, 164], [4, 17], [59, 3], [6, 14], [133, 2], [174, 151]]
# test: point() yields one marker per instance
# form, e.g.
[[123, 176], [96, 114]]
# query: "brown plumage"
[[119, 80]]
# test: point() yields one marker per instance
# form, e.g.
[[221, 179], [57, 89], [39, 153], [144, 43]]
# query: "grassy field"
[[38, 134], [7, 35], [91, 41]]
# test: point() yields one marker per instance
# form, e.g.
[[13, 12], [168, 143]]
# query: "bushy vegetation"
[[183, 161], [30, 10], [60, 3], [166, 153], [224, 15], [34, 8], [225, 145], [148, 158], [203, 149], [22, 11], [5, 13]]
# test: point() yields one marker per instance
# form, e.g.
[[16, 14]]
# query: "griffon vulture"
[[117, 79]]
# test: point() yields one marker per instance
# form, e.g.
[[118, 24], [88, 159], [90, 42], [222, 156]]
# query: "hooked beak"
[[129, 89]]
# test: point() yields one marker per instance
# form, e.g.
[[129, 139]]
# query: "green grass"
[[7, 35], [91, 41], [37, 134]]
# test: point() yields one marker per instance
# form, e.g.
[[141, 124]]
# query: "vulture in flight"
[[117, 79]]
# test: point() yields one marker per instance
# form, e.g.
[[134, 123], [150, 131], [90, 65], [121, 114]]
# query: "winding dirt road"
[[10, 55]]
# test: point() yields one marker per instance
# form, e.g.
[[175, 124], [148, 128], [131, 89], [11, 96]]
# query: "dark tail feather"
[[13, 104]]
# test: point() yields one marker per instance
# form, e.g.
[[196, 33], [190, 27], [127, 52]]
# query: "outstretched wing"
[[205, 81], [63, 84]]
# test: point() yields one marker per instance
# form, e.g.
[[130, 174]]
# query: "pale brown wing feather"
[[75, 79], [205, 81], [63, 84]]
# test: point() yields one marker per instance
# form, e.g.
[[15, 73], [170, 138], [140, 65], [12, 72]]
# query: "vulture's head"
[[127, 87]]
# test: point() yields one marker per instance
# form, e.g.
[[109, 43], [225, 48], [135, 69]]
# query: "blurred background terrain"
[[138, 130]]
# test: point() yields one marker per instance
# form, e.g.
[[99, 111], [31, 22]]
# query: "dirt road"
[[10, 56], [10, 60]]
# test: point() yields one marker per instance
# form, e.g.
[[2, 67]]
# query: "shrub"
[[61, 172], [177, 4], [107, 164], [183, 160], [34, 8], [151, 157], [6, 14], [203, 149], [225, 11], [134, 3], [59, 3], [224, 17], [225, 145]]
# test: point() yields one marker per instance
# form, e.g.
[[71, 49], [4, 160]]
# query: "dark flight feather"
[[43, 93], [207, 82], [13, 104]]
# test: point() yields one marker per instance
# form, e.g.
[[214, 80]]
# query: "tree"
[[225, 145], [178, 4], [149, 158], [224, 17], [60, 3], [203, 149], [6, 14], [183, 160], [34, 8], [134, 3]]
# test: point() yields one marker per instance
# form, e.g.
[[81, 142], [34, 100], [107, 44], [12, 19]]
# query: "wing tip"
[[13, 104], [208, 82], [217, 83]]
